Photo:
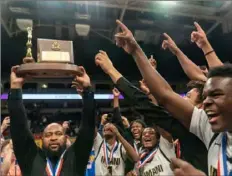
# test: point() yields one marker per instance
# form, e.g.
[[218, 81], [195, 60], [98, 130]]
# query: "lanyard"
[[55, 171], [148, 157], [222, 158], [105, 151]]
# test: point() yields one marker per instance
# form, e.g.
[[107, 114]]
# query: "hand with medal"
[[183, 168]]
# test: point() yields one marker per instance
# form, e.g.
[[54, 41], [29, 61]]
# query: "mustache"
[[50, 153]]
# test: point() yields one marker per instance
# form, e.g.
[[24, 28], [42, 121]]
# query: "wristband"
[[209, 52]]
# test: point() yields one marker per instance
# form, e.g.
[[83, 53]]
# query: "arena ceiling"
[[147, 20]]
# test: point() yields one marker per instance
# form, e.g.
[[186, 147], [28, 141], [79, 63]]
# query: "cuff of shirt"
[[15, 94]]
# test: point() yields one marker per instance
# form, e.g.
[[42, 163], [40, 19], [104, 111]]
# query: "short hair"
[[199, 85], [221, 71], [140, 122], [4, 144], [157, 133]]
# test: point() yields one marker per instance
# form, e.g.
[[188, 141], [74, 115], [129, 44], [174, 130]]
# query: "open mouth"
[[54, 145], [108, 130], [147, 140], [136, 133], [212, 116]]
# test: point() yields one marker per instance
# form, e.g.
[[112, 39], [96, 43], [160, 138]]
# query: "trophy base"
[[48, 70]]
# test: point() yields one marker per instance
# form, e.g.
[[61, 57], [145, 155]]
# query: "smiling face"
[[149, 138], [54, 139], [136, 130], [218, 103]]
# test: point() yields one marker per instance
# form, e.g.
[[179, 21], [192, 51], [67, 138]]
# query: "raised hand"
[[82, 81], [170, 44], [5, 124], [104, 119], [112, 128], [125, 39], [125, 122], [15, 82], [182, 168], [116, 92], [102, 60], [77, 86], [199, 36], [153, 62], [143, 87]]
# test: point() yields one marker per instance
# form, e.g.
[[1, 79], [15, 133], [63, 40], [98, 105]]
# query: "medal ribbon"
[[222, 159], [178, 151], [142, 162], [56, 171], [105, 152]]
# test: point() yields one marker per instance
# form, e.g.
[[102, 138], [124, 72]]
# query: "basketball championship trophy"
[[55, 59]]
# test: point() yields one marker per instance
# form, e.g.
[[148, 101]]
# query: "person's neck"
[[151, 148], [137, 141], [110, 141]]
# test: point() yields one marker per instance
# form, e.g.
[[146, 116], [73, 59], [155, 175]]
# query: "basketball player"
[[153, 161], [213, 125], [112, 153], [54, 159]]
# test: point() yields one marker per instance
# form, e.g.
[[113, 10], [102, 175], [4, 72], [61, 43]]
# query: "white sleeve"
[[200, 126], [124, 153], [167, 147], [97, 142]]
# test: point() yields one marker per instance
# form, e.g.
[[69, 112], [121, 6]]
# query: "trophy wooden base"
[[48, 70]]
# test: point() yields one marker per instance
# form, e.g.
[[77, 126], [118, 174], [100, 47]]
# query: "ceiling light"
[[82, 29], [167, 2], [23, 24], [44, 86]]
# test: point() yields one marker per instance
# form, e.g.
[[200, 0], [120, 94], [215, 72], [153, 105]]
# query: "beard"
[[54, 154]]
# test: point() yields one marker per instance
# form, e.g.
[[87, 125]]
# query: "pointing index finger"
[[198, 26], [122, 26], [167, 36]]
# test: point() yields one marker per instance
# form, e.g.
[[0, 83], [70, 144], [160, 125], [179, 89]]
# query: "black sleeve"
[[117, 118], [152, 113], [125, 132], [23, 142], [84, 141]]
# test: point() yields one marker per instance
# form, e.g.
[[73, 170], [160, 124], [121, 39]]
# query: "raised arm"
[[190, 69], [162, 91], [129, 149], [85, 137], [200, 38], [23, 142]]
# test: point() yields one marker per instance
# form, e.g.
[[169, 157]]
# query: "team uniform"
[[219, 149], [110, 160], [157, 162], [90, 171]]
